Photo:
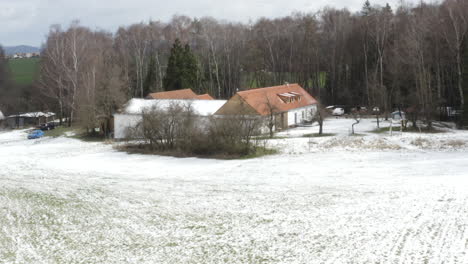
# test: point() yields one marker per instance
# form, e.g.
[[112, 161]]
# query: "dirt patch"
[[360, 143], [424, 143], [455, 143]]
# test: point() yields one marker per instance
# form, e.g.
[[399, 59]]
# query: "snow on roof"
[[287, 94], [201, 107], [34, 114]]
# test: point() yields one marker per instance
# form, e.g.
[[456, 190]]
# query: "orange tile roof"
[[276, 98], [179, 94], [204, 97], [176, 94]]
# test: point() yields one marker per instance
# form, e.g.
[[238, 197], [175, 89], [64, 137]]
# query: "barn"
[[288, 105], [29, 119], [127, 120]]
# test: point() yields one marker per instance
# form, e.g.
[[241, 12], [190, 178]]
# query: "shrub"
[[234, 134], [177, 129]]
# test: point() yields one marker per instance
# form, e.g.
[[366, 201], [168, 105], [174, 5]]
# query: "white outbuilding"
[[127, 120]]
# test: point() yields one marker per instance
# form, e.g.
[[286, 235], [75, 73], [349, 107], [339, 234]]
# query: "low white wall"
[[124, 123]]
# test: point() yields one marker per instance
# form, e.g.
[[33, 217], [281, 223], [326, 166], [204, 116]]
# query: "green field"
[[24, 71]]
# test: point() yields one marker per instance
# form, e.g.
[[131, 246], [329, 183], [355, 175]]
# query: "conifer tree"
[[366, 8], [182, 68]]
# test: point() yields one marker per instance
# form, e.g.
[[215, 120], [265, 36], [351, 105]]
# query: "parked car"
[[338, 111], [36, 134], [47, 126]]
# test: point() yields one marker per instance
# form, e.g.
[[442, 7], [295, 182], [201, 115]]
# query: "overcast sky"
[[27, 21]]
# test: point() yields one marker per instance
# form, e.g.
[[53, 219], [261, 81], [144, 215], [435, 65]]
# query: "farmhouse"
[[126, 122], [287, 105], [29, 119], [179, 94]]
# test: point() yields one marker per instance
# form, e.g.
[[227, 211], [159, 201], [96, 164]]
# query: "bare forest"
[[411, 56]]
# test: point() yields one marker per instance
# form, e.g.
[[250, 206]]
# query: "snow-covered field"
[[372, 198]]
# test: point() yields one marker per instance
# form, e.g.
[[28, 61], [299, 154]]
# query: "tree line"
[[414, 56]]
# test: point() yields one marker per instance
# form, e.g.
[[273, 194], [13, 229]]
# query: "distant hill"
[[20, 49]]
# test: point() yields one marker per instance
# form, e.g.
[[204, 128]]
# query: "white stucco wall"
[[124, 123], [303, 114]]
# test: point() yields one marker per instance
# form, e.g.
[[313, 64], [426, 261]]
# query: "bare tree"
[[52, 81], [272, 111], [319, 115], [455, 21], [382, 21], [357, 119]]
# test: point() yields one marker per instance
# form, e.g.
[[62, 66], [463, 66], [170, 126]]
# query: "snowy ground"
[[373, 198]]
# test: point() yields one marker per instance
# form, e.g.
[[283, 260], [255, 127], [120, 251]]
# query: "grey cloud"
[[27, 21]]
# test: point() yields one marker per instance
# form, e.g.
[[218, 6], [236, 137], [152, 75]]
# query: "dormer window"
[[290, 97]]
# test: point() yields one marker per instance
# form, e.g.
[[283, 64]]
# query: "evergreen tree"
[[182, 69], [190, 69], [366, 8]]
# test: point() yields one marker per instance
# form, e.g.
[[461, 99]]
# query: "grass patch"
[[24, 71], [423, 130], [456, 143], [260, 152], [76, 133], [60, 131], [359, 143], [357, 135], [319, 135], [382, 130], [146, 150], [265, 137], [88, 138]]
